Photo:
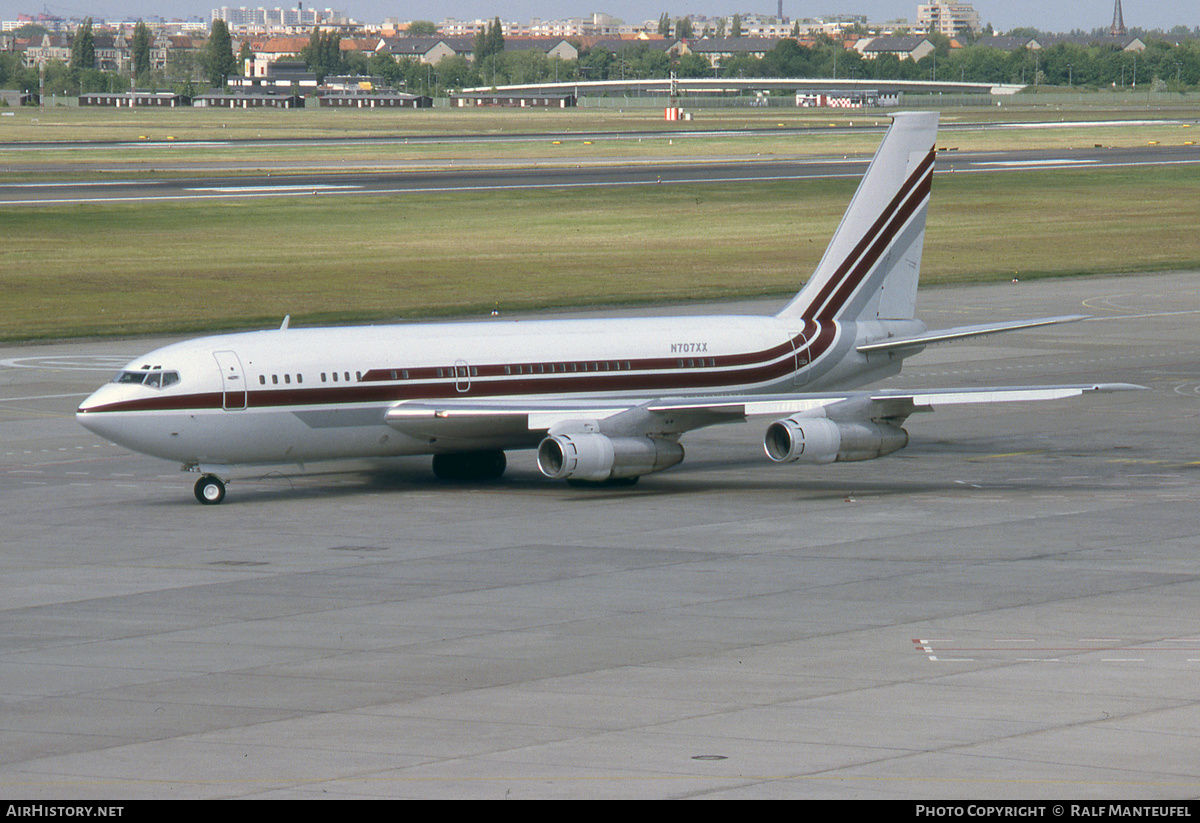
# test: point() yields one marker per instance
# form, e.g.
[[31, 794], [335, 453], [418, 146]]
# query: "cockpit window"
[[157, 378]]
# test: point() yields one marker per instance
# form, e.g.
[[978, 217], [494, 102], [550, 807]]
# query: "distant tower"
[[1118, 26], [781, 11]]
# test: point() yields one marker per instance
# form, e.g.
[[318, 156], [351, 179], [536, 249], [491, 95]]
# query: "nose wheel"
[[210, 490]]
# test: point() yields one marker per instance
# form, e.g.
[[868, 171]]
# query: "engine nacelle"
[[596, 457], [821, 440]]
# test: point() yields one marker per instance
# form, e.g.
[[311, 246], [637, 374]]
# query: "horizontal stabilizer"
[[961, 333]]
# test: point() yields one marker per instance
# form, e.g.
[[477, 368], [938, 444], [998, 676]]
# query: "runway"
[[1005, 609], [564, 173]]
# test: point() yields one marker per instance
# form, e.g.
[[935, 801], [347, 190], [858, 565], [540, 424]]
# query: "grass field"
[[123, 269], [155, 141], [68, 123]]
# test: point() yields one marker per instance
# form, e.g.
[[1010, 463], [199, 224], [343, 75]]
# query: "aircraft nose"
[[91, 414], [96, 400], [86, 406]]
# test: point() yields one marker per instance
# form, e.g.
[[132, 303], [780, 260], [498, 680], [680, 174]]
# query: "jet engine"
[[596, 457], [821, 440]]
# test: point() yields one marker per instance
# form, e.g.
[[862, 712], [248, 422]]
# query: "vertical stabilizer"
[[871, 266]]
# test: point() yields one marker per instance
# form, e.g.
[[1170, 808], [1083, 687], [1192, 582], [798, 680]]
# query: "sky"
[[1002, 14]]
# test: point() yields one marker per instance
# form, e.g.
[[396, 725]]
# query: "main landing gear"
[[459, 466], [210, 490]]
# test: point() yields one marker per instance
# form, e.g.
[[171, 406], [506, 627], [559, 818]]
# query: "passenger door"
[[233, 382]]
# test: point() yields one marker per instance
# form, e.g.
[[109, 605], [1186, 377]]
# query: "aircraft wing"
[[489, 418], [918, 341]]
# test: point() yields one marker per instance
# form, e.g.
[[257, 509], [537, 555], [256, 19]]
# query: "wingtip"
[[1111, 387]]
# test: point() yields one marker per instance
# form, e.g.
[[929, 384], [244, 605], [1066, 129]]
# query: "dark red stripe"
[[836, 281], [516, 385], [881, 245]]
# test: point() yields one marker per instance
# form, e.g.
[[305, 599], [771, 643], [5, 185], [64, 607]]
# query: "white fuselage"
[[296, 395]]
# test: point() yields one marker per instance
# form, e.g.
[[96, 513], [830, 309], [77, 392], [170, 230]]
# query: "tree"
[[83, 47], [693, 65], [323, 54], [29, 31], [489, 41], [736, 28], [496, 37], [664, 25], [684, 29], [422, 28], [217, 56], [181, 69], [140, 47]]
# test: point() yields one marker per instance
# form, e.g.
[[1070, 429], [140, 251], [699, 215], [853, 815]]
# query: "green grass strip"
[[186, 267]]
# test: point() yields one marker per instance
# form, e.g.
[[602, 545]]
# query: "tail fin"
[[871, 266]]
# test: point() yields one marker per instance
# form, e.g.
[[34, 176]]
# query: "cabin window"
[[262, 380], [299, 378], [275, 379], [287, 378], [335, 377], [347, 375]]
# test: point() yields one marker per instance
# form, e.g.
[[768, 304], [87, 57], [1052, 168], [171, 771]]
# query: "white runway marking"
[[1023, 163], [933, 649], [283, 189], [41, 397], [81, 362]]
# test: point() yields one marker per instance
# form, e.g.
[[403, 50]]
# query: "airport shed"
[[359, 99], [249, 100], [136, 99], [523, 100]]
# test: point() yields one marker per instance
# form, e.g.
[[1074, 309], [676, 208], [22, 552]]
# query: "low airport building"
[[375, 99], [517, 99], [249, 100], [136, 99]]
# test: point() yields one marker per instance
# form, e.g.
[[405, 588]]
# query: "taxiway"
[[1005, 609], [209, 181]]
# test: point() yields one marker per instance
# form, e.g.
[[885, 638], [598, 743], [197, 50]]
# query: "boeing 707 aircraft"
[[602, 401]]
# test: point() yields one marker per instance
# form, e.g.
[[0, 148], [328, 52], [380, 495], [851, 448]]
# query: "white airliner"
[[602, 401]]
